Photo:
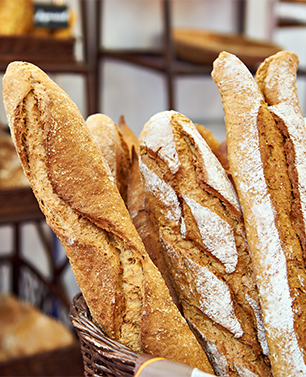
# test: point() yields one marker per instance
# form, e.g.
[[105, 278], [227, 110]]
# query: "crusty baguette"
[[276, 78], [209, 137], [197, 215], [74, 187], [219, 149], [261, 150], [113, 147], [128, 135], [140, 215]]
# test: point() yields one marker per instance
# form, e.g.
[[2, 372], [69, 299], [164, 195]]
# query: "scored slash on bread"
[[197, 215], [73, 184], [266, 141]]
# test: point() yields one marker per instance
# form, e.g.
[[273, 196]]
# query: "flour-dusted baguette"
[[140, 215], [276, 77], [113, 147], [197, 214], [267, 151], [74, 187]]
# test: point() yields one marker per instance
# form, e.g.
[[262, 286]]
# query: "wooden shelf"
[[18, 204], [293, 1], [156, 61], [289, 22], [164, 61], [55, 62]]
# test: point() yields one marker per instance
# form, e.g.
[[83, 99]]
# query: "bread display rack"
[[57, 55], [17, 207], [170, 59], [60, 362], [37, 49]]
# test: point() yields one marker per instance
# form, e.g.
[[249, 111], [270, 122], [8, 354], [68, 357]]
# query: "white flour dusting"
[[220, 362], [215, 174], [235, 81], [214, 298], [217, 235], [159, 138], [244, 372], [163, 192]]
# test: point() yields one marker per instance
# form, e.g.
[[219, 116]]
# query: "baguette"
[[113, 147], [266, 152], [140, 215], [219, 149], [74, 187], [198, 218], [128, 135]]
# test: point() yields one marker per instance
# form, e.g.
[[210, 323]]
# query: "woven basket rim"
[[102, 356]]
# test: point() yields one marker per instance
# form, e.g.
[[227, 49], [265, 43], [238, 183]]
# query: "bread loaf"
[[113, 147], [266, 152], [140, 215], [219, 149], [128, 135], [24, 330], [16, 17], [197, 215], [75, 189]]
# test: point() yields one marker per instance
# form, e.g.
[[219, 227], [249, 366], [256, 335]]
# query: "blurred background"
[[123, 57]]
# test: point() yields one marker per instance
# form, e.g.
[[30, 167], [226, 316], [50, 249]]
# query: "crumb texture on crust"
[[258, 158], [198, 218]]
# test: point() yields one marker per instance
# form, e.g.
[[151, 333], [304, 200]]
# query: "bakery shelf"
[[57, 56], [18, 204], [154, 60], [66, 361], [164, 61]]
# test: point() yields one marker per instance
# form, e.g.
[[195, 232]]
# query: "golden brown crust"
[[276, 78], [219, 149], [16, 17], [128, 135], [113, 147], [140, 215], [260, 141], [75, 190], [199, 222], [209, 137]]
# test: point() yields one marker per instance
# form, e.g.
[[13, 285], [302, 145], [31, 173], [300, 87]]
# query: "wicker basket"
[[203, 47], [101, 355]]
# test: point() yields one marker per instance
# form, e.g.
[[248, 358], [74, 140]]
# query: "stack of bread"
[[183, 247]]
